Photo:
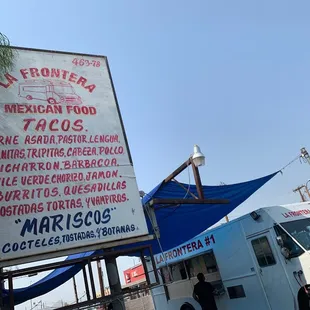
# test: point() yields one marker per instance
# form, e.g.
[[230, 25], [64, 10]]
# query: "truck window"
[[236, 292], [210, 262], [165, 275], [205, 263], [196, 265], [66, 89], [34, 89], [289, 243], [299, 230], [263, 252]]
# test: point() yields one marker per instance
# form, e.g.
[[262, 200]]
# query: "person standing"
[[204, 293]]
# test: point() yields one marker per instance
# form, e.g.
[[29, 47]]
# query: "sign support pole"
[[114, 282], [86, 283], [75, 291], [91, 276], [11, 293], [1, 289]]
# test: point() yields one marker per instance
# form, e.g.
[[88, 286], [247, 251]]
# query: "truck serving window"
[[196, 265], [300, 230], [205, 264], [178, 271], [263, 252], [165, 275], [210, 262], [289, 243]]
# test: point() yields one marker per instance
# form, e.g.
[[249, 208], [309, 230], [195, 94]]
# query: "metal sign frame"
[[143, 251]]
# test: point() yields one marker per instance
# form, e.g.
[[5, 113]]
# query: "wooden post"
[[198, 181]]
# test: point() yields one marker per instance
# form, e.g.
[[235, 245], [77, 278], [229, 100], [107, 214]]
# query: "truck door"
[[271, 272]]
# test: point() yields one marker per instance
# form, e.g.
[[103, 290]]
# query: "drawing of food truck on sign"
[[54, 92]]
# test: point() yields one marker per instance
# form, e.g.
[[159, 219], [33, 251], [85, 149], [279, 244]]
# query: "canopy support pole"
[[197, 181], [177, 171], [158, 203]]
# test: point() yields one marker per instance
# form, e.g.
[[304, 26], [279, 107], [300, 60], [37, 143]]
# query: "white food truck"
[[259, 261]]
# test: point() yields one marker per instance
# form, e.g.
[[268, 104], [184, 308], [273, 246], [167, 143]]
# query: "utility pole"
[[307, 189], [298, 189]]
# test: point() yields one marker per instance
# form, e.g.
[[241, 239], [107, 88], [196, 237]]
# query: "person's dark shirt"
[[204, 291]]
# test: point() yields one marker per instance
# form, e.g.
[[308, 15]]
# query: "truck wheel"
[[51, 101], [29, 97], [187, 307]]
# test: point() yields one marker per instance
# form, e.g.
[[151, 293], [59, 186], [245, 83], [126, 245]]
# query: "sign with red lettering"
[[134, 275], [291, 212], [296, 213], [66, 175]]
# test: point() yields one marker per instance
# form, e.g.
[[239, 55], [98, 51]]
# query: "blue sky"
[[231, 76]]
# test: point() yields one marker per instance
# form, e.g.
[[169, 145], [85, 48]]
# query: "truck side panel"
[[232, 253], [237, 270], [252, 227]]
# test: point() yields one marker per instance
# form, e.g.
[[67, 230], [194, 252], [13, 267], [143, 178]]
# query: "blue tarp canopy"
[[180, 223], [177, 224]]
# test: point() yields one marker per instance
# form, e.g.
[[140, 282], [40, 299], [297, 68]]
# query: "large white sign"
[[66, 177]]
